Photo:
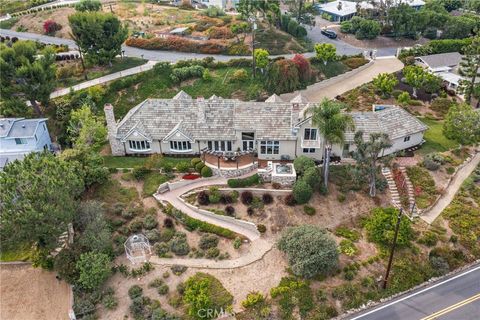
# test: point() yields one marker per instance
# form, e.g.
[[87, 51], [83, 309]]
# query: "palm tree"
[[332, 124]]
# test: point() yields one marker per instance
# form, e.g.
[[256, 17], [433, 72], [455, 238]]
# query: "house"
[[344, 10], [236, 134], [444, 65], [20, 136], [223, 4]]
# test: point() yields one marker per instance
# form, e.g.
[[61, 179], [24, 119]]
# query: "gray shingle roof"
[[393, 120], [450, 59], [211, 119], [19, 127]]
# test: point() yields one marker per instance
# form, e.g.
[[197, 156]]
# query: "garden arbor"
[[137, 248]]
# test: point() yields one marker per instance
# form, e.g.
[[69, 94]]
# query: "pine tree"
[[469, 68]]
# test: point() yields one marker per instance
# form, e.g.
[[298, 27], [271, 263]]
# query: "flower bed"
[[178, 44], [191, 176]]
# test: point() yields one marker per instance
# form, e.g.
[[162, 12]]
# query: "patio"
[[232, 160]]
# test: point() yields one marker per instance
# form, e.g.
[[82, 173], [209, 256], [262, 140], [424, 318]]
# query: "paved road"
[[173, 56], [451, 191], [457, 298]]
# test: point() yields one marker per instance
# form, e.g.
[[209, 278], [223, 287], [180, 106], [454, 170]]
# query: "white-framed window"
[[220, 145], [407, 138], [21, 141], [269, 147], [138, 145], [180, 146], [310, 134], [308, 150]]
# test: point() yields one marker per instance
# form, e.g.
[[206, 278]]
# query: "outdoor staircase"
[[392, 187], [411, 193]]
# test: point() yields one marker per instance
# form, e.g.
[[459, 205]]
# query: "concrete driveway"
[[318, 91]]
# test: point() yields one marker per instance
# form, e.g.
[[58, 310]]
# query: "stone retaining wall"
[[232, 173]]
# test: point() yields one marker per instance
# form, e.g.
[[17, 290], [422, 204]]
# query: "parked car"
[[329, 33]]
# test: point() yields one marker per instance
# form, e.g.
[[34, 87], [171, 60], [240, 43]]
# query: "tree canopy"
[[88, 5], [385, 82], [462, 124], [380, 227], [310, 250], [24, 76], [94, 269], [98, 35], [325, 52], [37, 199], [86, 129]]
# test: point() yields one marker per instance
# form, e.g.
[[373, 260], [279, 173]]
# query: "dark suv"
[[329, 33]]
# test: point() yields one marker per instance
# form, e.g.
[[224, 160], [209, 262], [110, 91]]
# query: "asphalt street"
[[174, 56], [455, 298]]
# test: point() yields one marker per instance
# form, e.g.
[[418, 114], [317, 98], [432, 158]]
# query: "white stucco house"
[[444, 65], [236, 133], [20, 136]]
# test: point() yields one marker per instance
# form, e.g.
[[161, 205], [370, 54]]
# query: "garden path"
[[109, 77], [259, 247], [447, 197]]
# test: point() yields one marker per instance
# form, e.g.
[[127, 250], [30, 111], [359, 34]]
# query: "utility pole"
[[390, 260]]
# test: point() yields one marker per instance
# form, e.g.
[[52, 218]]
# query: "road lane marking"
[[416, 293], [452, 307]]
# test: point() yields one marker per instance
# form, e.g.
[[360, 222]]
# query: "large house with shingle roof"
[[19, 137], [272, 130]]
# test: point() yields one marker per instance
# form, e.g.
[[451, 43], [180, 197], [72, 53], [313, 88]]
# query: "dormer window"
[[138, 145]]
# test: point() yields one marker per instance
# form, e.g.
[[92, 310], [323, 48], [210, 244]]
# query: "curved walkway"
[[259, 246], [452, 189]]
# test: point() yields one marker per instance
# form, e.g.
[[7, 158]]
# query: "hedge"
[[194, 224], [245, 182]]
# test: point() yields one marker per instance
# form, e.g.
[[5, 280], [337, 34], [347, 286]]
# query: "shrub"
[[194, 161], [220, 33], [178, 269], [206, 172], [439, 264], [135, 291], [304, 68], [94, 269], [283, 76], [203, 198], [429, 239], [348, 248], [212, 253], [245, 182], [168, 223], [354, 62], [226, 198], [290, 200], [140, 172], [161, 249], [381, 224], [150, 222], [250, 211], [403, 98], [318, 254], [179, 244], [442, 105], [239, 75], [267, 198], [246, 197], [237, 243], [253, 298], [347, 233], [302, 163], [50, 27], [208, 241], [167, 234], [309, 210], [261, 228], [341, 198], [178, 44], [430, 33], [199, 166], [229, 210], [183, 166], [450, 170], [153, 235], [430, 164], [302, 191], [136, 225], [184, 73]]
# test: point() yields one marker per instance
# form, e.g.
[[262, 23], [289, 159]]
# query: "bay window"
[[310, 134], [180, 146], [138, 145], [269, 147]]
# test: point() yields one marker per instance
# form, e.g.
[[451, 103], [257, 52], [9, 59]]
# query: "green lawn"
[[435, 140], [131, 162], [151, 183], [119, 64]]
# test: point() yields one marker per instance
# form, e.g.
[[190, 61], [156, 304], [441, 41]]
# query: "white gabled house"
[[222, 130], [20, 136]]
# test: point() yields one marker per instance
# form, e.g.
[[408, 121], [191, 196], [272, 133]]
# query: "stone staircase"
[[411, 193], [387, 173]]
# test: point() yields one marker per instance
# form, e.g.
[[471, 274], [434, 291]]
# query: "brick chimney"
[[115, 144]]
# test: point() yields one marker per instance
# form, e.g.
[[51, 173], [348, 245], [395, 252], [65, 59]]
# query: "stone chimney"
[[115, 144]]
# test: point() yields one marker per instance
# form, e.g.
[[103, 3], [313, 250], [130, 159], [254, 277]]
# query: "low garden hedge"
[[244, 182], [194, 224], [178, 44]]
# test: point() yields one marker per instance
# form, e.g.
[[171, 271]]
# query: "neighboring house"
[[444, 65], [344, 10], [224, 4], [270, 130], [19, 137]]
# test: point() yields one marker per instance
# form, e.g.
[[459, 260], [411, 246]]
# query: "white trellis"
[[137, 248]]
